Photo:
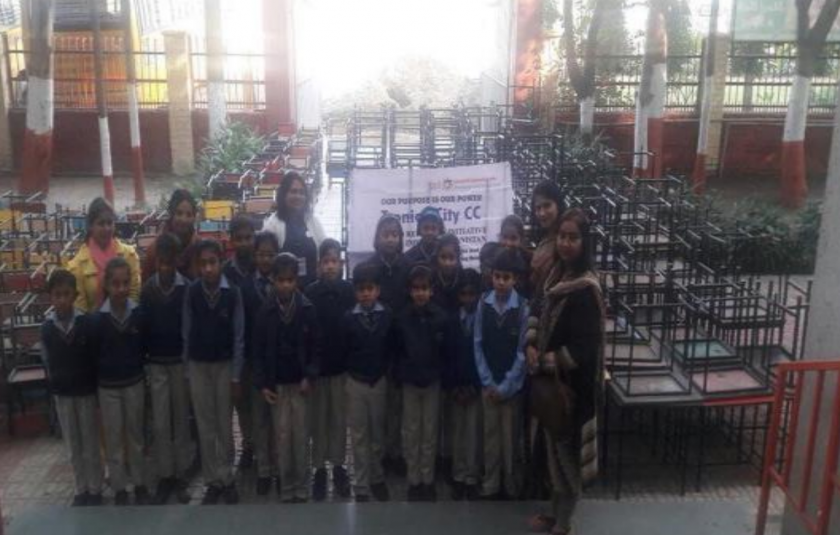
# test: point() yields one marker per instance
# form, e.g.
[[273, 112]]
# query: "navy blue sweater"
[[120, 347], [393, 282], [368, 344], [286, 352], [332, 299], [464, 372], [162, 315], [70, 357], [424, 337], [256, 290]]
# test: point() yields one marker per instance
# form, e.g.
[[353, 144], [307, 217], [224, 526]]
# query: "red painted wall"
[[751, 144], [76, 139]]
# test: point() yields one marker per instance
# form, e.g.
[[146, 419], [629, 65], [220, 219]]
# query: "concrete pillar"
[[823, 338], [6, 162], [179, 84], [280, 79]]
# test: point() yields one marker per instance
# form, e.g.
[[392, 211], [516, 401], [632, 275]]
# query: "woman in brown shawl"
[[566, 360], [546, 205]]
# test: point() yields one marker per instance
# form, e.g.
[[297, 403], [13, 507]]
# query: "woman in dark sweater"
[[566, 356]]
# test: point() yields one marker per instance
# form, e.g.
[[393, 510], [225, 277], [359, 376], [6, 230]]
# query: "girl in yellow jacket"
[[101, 246]]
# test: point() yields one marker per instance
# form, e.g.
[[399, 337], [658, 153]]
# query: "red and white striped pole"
[[650, 102], [36, 164], [102, 110], [698, 175], [794, 184], [133, 109]]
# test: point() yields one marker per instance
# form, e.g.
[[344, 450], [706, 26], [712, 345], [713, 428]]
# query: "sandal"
[[540, 523]]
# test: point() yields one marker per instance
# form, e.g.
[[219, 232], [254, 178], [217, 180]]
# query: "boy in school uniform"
[[500, 327], [256, 290], [332, 297], [162, 301], [71, 368], [238, 270], [214, 331], [466, 393], [122, 393], [286, 351], [368, 343], [425, 343], [429, 228]]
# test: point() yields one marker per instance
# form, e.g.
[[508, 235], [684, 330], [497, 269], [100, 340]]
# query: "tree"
[[810, 41], [650, 100], [582, 73]]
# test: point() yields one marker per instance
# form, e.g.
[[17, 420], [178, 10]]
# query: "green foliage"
[[230, 149]]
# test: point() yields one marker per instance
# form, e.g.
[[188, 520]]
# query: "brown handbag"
[[553, 403]]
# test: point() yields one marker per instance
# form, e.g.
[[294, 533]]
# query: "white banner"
[[472, 201]]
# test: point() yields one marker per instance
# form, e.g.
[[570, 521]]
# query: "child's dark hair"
[[284, 264], [515, 222], [265, 236], [114, 264], [282, 192], [449, 240], [209, 245], [61, 278], [578, 217], [168, 247], [366, 273], [328, 246], [509, 260], [241, 222], [178, 196], [470, 278], [388, 219], [96, 209], [419, 273]]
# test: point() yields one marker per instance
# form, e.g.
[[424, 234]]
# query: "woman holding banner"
[[297, 230]]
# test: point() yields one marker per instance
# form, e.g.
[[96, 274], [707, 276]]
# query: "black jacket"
[[368, 346], [425, 341], [332, 299], [161, 325], [393, 282]]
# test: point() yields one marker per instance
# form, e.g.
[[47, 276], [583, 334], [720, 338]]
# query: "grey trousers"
[[501, 439], [421, 415], [446, 430], [244, 412], [366, 419], [466, 440], [173, 449], [328, 421], [77, 418], [564, 470], [123, 416], [211, 397], [290, 424], [393, 420], [262, 434]]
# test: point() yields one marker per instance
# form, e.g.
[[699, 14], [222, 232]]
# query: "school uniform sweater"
[[445, 293], [425, 341], [393, 281], [162, 317], [120, 346], [256, 290], [69, 355], [367, 340], [235, 273], [464, 372], [214, 324], [419, 254], [332, 299], [499, 342], [286, 343]]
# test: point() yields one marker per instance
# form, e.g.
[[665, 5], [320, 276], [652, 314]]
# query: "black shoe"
[[473, 493], [182, 493], [230, 494], [141, 495], [415, 493], [163, 491], [380, 492], [80, 500], [121, 497], [341, 483], [319, 485], [459, 491], [263, 486], [362, 498], [94, 500], [211, 495], [246, 460], [429, 493]]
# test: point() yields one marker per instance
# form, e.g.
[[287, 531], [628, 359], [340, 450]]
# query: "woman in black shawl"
[[565, 356]]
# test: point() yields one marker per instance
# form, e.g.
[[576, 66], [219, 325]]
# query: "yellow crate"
[[218, 210]]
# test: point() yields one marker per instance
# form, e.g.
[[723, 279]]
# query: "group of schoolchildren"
[[415, 351]]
